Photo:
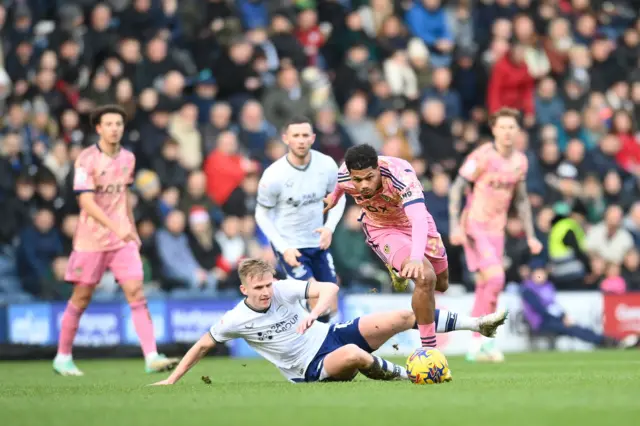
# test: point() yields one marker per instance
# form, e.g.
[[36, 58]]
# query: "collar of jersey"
[[301, 169], [261, 311], [112, 156]]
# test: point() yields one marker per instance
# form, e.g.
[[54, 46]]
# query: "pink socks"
[[428, 335], [144, 327], [68, 328]]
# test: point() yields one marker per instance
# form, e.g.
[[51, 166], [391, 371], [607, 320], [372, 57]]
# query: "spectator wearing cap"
[[205, 89], [608, 240], [568, 260]]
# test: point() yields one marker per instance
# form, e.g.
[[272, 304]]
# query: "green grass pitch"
[[540, 389]]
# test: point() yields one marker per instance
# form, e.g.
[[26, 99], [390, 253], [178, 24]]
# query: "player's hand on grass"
[[330, 203], [414, 269], [161, 383], [325, 237], [458, 237], [291, 256], [535, 246], [307, 323]]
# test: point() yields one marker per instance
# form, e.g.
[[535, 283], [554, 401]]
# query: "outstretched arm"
[[326, 293], [191, 358], [456, 193], [524, 209]]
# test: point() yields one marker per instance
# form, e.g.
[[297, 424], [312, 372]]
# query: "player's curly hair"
[[98, 113], [361, 157]]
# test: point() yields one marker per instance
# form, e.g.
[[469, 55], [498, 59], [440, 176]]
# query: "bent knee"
[[135, 294], [354, 355], [442, 281], [429, 280]]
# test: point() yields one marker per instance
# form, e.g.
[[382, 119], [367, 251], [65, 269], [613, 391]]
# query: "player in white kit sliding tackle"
[[290, 207], [272, 321]]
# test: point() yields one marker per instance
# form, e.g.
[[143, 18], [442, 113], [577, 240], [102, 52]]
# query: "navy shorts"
[[339, 335], [314, 263]]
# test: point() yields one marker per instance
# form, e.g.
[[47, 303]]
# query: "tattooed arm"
[[458, 189], [524, 211]]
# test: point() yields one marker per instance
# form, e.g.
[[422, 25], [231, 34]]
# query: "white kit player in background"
[[272, 321], [290, 207]]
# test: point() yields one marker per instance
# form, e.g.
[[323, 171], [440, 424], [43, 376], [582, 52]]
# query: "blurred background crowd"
[[208, 85]]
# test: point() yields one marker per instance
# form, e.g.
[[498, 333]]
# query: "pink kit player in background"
[[106, 239], [497, 173], [95, 247], [397, 226]]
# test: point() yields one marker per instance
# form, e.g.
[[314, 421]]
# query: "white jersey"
[[273, 333], [294, 196]]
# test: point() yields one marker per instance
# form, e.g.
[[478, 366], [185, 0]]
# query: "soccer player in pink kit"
[[106, 238], [397, 226], [497, 173]]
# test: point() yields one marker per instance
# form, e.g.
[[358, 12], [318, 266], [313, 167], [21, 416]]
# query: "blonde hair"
[[254, 268]]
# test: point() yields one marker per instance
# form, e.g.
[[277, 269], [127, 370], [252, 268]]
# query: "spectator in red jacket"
[[510, 85], [226, 168], [629, 155]]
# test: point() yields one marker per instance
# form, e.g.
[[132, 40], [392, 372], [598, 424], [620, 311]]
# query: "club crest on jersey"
[[386, 249]]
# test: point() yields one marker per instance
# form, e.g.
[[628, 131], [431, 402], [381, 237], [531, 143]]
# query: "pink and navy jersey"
[[400, 188], [494, 178], [108, 178]]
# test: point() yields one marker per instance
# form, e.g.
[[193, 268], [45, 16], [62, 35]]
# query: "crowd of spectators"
[[208, 84]]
